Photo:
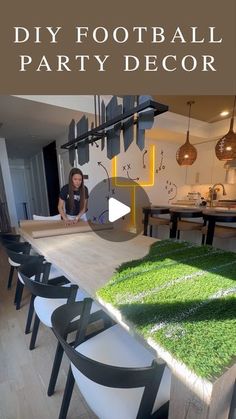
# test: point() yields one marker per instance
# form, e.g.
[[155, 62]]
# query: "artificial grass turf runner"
[[172, 296]]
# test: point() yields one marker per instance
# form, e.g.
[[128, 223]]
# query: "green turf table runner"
[[183, 297]]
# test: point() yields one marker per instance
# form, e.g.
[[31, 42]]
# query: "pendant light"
[[226, 146], [187, 153]]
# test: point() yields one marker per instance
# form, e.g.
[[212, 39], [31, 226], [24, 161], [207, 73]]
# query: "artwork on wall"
[[144, 154], [127, 168], [102, 215], [171, 189], [107, 174], [161, 165]]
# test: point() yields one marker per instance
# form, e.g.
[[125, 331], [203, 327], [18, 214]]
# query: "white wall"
[[169, 182]]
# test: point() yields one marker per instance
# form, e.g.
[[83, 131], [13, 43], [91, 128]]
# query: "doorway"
[[52, 178], [21, 193]]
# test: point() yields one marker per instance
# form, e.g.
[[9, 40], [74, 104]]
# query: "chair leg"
[[150, 231], [19, 292], [34, 332], [178, 234], [162, 412], [10, 277], [203, 238], [30, 315], [67, 395], [55, 369]]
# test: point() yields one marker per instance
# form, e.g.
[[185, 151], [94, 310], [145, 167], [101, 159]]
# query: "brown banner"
[[119, 47]]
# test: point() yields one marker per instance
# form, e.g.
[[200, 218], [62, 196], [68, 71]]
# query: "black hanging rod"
[[99, 132]]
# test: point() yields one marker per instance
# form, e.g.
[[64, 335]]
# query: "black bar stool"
[[211, 229], [151, 220], [177, 225]]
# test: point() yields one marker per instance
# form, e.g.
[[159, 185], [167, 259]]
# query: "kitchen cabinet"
[[202, 169]]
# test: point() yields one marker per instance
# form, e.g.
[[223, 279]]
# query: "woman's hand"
[[68, 222]]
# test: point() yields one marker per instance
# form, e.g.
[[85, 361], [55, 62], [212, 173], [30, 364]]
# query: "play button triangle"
[[116, 209]]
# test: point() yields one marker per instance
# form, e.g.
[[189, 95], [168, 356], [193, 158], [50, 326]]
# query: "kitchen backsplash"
[[203, 189]]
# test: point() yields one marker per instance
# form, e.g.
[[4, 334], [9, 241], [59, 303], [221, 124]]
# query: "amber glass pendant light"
[[226, 147], [187, 153]]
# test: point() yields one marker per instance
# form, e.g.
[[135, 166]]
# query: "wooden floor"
[[24, 374]]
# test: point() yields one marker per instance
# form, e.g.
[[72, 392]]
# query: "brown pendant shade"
[[226, 147], [187, 153]]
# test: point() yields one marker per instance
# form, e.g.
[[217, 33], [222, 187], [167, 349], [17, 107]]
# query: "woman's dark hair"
[[73, 172]]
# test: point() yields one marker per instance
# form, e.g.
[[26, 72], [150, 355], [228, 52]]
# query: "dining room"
[[154, 249]]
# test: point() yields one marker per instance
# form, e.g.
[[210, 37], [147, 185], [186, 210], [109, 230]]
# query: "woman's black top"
[[64, 195]]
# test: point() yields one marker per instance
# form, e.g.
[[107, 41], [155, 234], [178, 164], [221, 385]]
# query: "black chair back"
[[10, 237], [108, 375], [23, 258], [43, 289], [21, 247]]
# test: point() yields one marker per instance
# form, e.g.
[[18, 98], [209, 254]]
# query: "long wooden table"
[[86, 258], [90, 260]]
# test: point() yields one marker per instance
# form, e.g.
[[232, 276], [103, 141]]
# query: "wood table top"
[[87, 259]]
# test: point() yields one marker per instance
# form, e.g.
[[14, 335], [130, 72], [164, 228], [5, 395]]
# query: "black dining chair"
[[10, 237], [19, 259], [116, 375], [52, 295], [18, 247], [47, 298]]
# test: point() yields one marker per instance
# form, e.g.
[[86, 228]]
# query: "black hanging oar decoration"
[[145, 121], [71, 137], [103, 120], [128, 124], [83, 146], [112, 119], [113, 134]]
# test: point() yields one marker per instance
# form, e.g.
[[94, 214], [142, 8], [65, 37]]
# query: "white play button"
[[116, 209]]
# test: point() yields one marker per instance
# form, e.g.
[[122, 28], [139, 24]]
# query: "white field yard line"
[[141, 295], [157, 266], [178, 327], [187, 313]]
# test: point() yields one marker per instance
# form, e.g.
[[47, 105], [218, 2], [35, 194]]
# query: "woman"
[[73, 198]]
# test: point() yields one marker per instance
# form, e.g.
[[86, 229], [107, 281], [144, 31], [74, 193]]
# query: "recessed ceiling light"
[[224, 113]]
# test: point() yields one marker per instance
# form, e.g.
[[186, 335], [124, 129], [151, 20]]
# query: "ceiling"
[[205, 108], [28, 125]]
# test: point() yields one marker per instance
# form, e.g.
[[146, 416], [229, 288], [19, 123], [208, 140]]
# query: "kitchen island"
[[218, 222]]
